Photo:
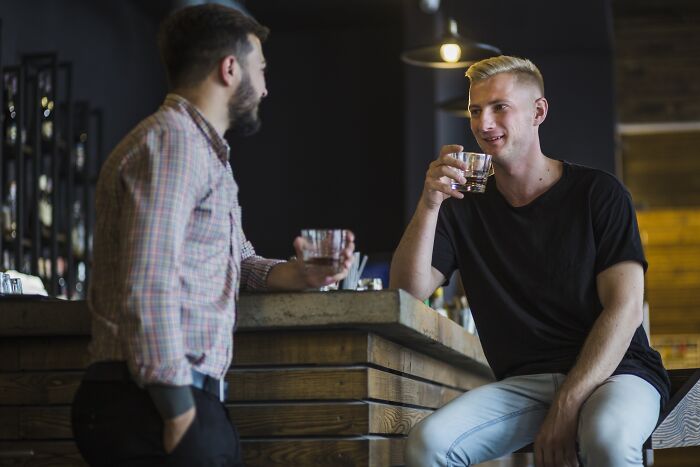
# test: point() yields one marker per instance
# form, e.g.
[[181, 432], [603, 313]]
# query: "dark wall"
[[330, 152], [111, 44]]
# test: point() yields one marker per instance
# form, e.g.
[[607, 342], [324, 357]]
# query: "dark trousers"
[[116, 424]]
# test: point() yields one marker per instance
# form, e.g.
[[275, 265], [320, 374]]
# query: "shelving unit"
[[49, 156]]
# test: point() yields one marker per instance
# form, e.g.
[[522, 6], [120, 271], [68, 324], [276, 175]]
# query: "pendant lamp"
[[453, 51]]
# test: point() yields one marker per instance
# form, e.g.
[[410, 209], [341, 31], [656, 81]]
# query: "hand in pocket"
[[174, 429]]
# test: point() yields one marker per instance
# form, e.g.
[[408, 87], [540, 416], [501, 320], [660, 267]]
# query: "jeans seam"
[[556, 383], [486, 425]]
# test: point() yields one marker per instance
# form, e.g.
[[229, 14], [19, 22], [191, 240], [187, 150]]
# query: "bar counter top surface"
[[394, 314]]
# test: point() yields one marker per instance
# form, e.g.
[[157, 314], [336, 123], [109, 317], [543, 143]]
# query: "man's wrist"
[[171, 401], [569, 399], [427, 207], [286, 276]]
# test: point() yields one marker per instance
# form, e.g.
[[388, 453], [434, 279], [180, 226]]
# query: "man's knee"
[[428, 445], [605, 441], [420, 445]]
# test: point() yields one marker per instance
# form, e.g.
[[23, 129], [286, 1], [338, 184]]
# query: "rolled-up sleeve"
[[159, 186], [254, 268]]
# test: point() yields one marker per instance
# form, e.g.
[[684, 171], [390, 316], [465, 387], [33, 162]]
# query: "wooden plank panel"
[[387, 354], [35, 423], [55, 353], [678, 457], [254, 385], [669, 218], [276, 348], [656, 49], [389, 387], [357, 452], [392, 419], [324, 419], [297, 384], [289, 384], [9, 355], [394, 314], [45, 318], [346, 348], [10, 424], [662, 170], [300, 348], [301, 419], [396, 450], [38, 388], [252, 420], [40, 453], [43, 353], [672, 244], [674, 326]]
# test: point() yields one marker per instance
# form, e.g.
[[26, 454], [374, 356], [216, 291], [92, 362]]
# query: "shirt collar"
[[219, 144]]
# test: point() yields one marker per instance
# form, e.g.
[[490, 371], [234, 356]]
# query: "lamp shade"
[[456, 107], [453, 51]]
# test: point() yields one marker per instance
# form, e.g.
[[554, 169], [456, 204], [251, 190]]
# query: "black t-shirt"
[[530, 272]]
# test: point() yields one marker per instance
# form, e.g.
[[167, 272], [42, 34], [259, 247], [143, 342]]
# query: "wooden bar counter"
[[318, 379]]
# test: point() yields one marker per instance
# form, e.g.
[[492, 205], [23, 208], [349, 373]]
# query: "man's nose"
[[485, 121]]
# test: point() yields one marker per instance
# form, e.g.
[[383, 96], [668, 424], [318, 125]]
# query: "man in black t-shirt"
[[552, 264]]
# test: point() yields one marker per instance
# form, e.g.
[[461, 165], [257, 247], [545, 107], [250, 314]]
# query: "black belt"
[[118, 371]]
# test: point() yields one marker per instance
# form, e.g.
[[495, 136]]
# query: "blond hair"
[[524, 70]]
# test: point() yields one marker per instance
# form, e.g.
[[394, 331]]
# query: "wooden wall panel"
[[40, 454], [358, 383], [657, 44], [672, 245], [662, 171]]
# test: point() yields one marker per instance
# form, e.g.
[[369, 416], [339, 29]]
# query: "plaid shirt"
[[169, 251]]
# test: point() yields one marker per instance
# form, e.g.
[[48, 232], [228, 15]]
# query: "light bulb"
[[451, 53]]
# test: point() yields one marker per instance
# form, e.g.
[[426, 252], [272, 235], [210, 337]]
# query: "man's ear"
[[229, 70], [541, 107]]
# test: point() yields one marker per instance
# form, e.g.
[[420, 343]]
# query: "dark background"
[[348, 130]]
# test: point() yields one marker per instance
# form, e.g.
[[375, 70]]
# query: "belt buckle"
[[222, 390]]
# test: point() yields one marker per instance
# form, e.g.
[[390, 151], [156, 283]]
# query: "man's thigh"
[[619, 415], [485, 423], [211, 440]]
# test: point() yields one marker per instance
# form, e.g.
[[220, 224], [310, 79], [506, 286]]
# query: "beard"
[[243, 109]]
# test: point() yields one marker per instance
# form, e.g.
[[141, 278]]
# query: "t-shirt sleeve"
[[444, 254], [615, 225]]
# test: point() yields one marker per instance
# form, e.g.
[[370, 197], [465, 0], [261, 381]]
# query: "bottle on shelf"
[[45, 207], [465, 315], [10, 111], [47, 106], [9, 212], [80, 152], [437, 302], [8, 259], [61, 270], [80, 292], [78, 233]]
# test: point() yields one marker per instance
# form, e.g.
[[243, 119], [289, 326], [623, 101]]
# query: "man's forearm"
[[621, 292], [602, 352], [411, 265]]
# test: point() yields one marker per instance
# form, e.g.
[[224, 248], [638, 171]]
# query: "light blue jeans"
[[499, 418]]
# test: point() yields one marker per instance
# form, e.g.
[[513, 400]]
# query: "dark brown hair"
[[194, 39]]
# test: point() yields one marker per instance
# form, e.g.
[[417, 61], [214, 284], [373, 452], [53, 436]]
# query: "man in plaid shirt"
[[170, 255]]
